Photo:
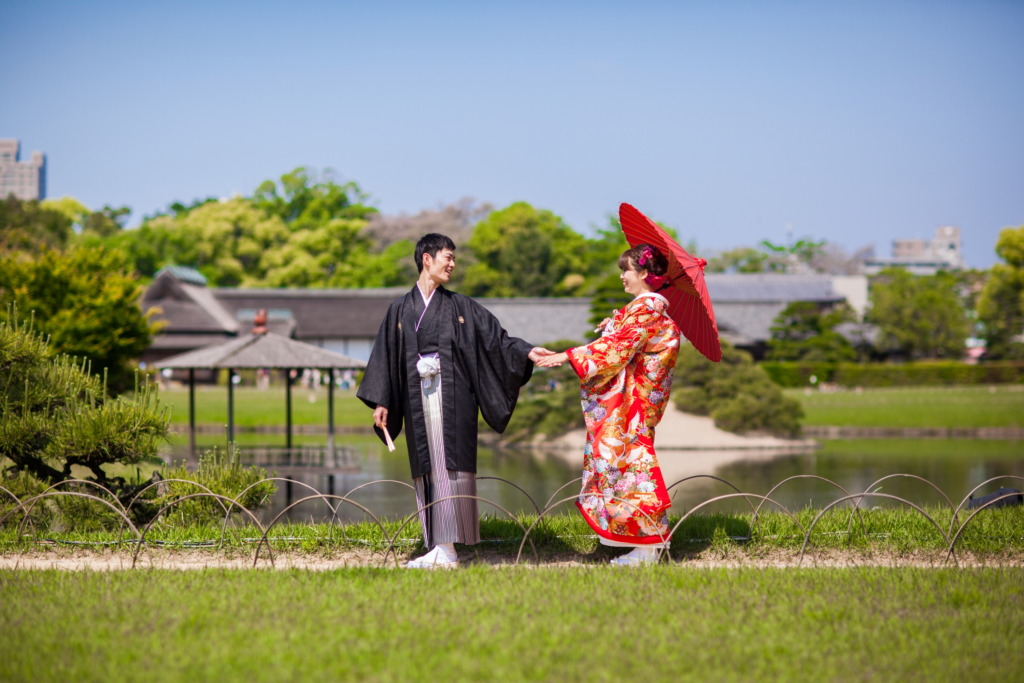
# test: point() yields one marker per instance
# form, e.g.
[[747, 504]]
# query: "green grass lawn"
[[657, 623], [876, 531], [254, 407], [961, 406]]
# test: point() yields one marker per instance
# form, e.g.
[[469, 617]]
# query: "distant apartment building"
[[923, 257], [23, 179]]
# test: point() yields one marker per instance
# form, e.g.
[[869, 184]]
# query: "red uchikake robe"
[[626, 376]]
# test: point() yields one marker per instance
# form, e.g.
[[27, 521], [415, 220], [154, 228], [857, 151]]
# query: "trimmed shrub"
[[737, 394], [224, 475]]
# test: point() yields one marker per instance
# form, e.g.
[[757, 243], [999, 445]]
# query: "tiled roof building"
[[346, 320]]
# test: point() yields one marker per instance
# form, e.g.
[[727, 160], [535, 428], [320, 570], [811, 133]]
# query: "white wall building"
[[23, 179]]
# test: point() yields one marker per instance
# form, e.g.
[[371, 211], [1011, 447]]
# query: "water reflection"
[[955, 466]]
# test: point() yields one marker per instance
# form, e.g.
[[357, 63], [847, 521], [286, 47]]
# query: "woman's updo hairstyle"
[[646, 257]]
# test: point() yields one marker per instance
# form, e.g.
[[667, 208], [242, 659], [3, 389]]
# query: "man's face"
[[440, 267]]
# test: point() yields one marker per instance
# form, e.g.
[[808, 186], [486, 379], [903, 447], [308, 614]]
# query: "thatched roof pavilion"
[[260, 350]]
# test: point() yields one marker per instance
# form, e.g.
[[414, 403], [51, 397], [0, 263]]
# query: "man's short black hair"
[[431, 244]]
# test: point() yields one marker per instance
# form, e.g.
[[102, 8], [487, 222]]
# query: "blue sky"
[[854, 122]]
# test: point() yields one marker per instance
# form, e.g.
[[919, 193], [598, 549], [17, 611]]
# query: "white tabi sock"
[[446, 552]]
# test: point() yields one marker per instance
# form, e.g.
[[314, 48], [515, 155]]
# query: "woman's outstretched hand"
[[537, 353], [553, 361]]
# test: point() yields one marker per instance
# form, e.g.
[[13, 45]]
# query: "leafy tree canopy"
[[523, 251], [29, 225], [55, 415], [803, 331], [304, 230], [86, 301], [1001, 303], [302, 199], [918, 316]]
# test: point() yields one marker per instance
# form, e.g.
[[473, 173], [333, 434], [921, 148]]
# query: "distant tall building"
[[923, 257], [23, 179]]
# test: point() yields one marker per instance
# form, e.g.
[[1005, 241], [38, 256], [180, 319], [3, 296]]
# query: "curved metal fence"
[[130, 533]]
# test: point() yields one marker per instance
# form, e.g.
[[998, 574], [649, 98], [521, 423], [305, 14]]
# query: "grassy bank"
[[888, 531], [256, 408], [951, 407], [961, 406], [593, 624]]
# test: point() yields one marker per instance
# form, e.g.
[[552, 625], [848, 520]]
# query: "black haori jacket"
[[489, 368]]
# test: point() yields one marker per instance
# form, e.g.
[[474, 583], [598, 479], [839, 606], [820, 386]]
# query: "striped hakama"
[[450, 521]]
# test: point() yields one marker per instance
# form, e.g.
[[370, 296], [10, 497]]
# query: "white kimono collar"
[[655, 295]]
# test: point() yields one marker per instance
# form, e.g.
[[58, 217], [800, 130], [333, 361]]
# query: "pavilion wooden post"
[[231, 406], [288, 408], [192, 411], [330, 413]]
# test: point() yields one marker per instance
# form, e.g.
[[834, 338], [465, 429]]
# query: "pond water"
[[953, 465]]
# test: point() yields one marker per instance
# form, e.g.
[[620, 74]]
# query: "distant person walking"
[[439, 360]]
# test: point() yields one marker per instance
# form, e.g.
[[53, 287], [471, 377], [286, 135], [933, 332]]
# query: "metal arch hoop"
[[319, 496], [190, 496], [728, 496], [858, 496], [974, 514], [521, 490]]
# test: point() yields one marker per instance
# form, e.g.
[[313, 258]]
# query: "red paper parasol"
[[687, 294]]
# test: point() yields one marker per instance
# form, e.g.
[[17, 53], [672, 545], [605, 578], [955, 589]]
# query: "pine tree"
[[55, 415]]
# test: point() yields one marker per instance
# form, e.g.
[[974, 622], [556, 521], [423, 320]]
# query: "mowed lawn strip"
[[956, 406], [893, 530], [581, 624], [949, 407], [256, 407]]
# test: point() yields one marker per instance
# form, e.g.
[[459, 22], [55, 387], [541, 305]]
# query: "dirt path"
[[89, 560]]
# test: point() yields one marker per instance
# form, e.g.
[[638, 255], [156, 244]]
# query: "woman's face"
[[633, 279]]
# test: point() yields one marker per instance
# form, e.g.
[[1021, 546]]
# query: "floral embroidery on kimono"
[[626, 377]]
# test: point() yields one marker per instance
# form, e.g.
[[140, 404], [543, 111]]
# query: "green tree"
[[740, 260], [86, 301], [29, 225], [304, 199], [74, 210], [803, 331], [105, 222], [735, 392], [300, 231], [918, 316], [55, 415], [1001, 304], [523, 251], [794, 256]]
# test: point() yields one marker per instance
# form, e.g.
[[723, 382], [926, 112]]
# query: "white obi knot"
[[428, 366]]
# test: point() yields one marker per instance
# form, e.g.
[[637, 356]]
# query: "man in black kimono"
[[438, 359]]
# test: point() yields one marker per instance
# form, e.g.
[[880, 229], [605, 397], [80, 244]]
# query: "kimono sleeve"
[[383, 378], [603, 358], [499, 367]]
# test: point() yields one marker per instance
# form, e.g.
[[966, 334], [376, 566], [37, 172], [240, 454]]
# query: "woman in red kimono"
[[626, 376]]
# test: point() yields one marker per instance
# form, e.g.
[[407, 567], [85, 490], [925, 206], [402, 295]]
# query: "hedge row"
[[797, 374]]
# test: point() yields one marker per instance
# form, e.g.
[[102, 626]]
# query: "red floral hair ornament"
[[653, 281]]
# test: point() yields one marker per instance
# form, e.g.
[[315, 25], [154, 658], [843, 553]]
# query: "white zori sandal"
[[636, 557], [443, 556]]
